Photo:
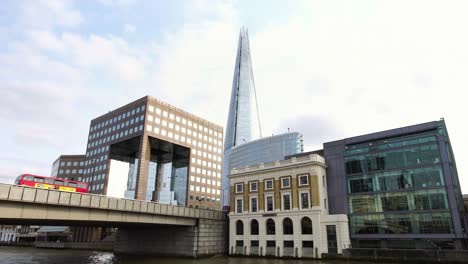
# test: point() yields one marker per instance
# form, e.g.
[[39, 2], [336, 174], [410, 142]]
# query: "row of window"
[[397, 180], [303, 180], [182, 129], [203, 198], [117, 127], [96, 187], [206, 163], [391, 143], [412, 223], [74, 163], [116, 136], [204, 154], [269, 202], [407, 201], [178, 137], [401, 158], [270, 227], [204, 189], [182, 120], [117, 118], [206, 172], [80, 171], [95, 178], [204, 180]]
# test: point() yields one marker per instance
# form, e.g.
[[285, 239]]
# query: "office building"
[[69, 167], [243, 123], [399, 187], [263, 150], [280, 209], [150, 150]]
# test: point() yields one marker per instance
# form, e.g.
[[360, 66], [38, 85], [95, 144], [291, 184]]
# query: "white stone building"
[[280, 209]]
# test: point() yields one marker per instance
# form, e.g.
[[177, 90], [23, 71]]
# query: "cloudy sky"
[[330, 69]]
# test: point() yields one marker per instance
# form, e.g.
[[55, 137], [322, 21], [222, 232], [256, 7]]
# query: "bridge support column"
[[205, 239]]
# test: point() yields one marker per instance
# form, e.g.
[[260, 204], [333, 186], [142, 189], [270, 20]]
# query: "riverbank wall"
[[405, 255]]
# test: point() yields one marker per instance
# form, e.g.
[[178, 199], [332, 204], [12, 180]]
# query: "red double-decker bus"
[[51, 183]]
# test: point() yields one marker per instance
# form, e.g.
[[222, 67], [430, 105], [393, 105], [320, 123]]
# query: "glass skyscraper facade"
[[266, 150], [399, 188], [243, 123]]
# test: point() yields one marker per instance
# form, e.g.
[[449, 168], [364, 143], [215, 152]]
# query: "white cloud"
[[49, 13], [129, 28]]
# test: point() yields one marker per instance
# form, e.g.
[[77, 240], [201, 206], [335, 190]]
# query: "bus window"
[[71, 184], [17, 181], [58, 182], [36, 179], [82, 185], [28, 178], [49, 181]]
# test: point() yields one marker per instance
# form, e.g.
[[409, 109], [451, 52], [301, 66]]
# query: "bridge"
[[143, 227]]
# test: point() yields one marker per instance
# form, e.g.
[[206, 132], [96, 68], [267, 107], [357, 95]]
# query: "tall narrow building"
[[243, 123]]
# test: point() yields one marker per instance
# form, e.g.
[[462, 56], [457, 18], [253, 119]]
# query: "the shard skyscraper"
[[243, 123]]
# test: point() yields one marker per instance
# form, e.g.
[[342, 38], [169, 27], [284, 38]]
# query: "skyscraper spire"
[[243, 123]]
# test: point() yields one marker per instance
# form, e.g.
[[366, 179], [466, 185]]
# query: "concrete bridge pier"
[[206, 238]]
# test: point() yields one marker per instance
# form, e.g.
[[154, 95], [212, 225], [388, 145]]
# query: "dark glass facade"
[[401, 188]]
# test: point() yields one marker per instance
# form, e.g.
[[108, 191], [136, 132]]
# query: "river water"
[[30, 255]]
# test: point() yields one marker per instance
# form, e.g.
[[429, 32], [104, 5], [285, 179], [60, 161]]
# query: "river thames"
[[30, 255]]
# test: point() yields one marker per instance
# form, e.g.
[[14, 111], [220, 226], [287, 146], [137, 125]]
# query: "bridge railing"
[[61, 198]]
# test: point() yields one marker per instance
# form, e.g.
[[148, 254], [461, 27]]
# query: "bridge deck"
[[20, 203]]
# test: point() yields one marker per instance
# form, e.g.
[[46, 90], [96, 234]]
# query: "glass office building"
[[399, 188], [266, 150], [263, 150], [243, 123]]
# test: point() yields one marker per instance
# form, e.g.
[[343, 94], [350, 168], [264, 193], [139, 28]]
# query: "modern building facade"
[[69, 167], [263, 150], [243, 123], [280, 209], [150, 150], [399, 187]]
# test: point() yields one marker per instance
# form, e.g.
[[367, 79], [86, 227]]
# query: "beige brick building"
[[280, 209]]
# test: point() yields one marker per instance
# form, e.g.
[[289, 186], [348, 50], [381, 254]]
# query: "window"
[[271, 243], [270, 227], [308, 244], [254, 243], [239, 206], [286, 201], [285, 182], [254, 227], [253, 186], [304, 200], [288, 243], [269, 184], [239, 187], [306, 226], [303, 180], [269, 203], [287, 226], [36, 179], [253, 204], [239, 227]]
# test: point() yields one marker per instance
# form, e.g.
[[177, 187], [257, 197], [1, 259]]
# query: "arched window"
[[239, 227], [306, 226], [270, 227], [287, 226], [254, 227]]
